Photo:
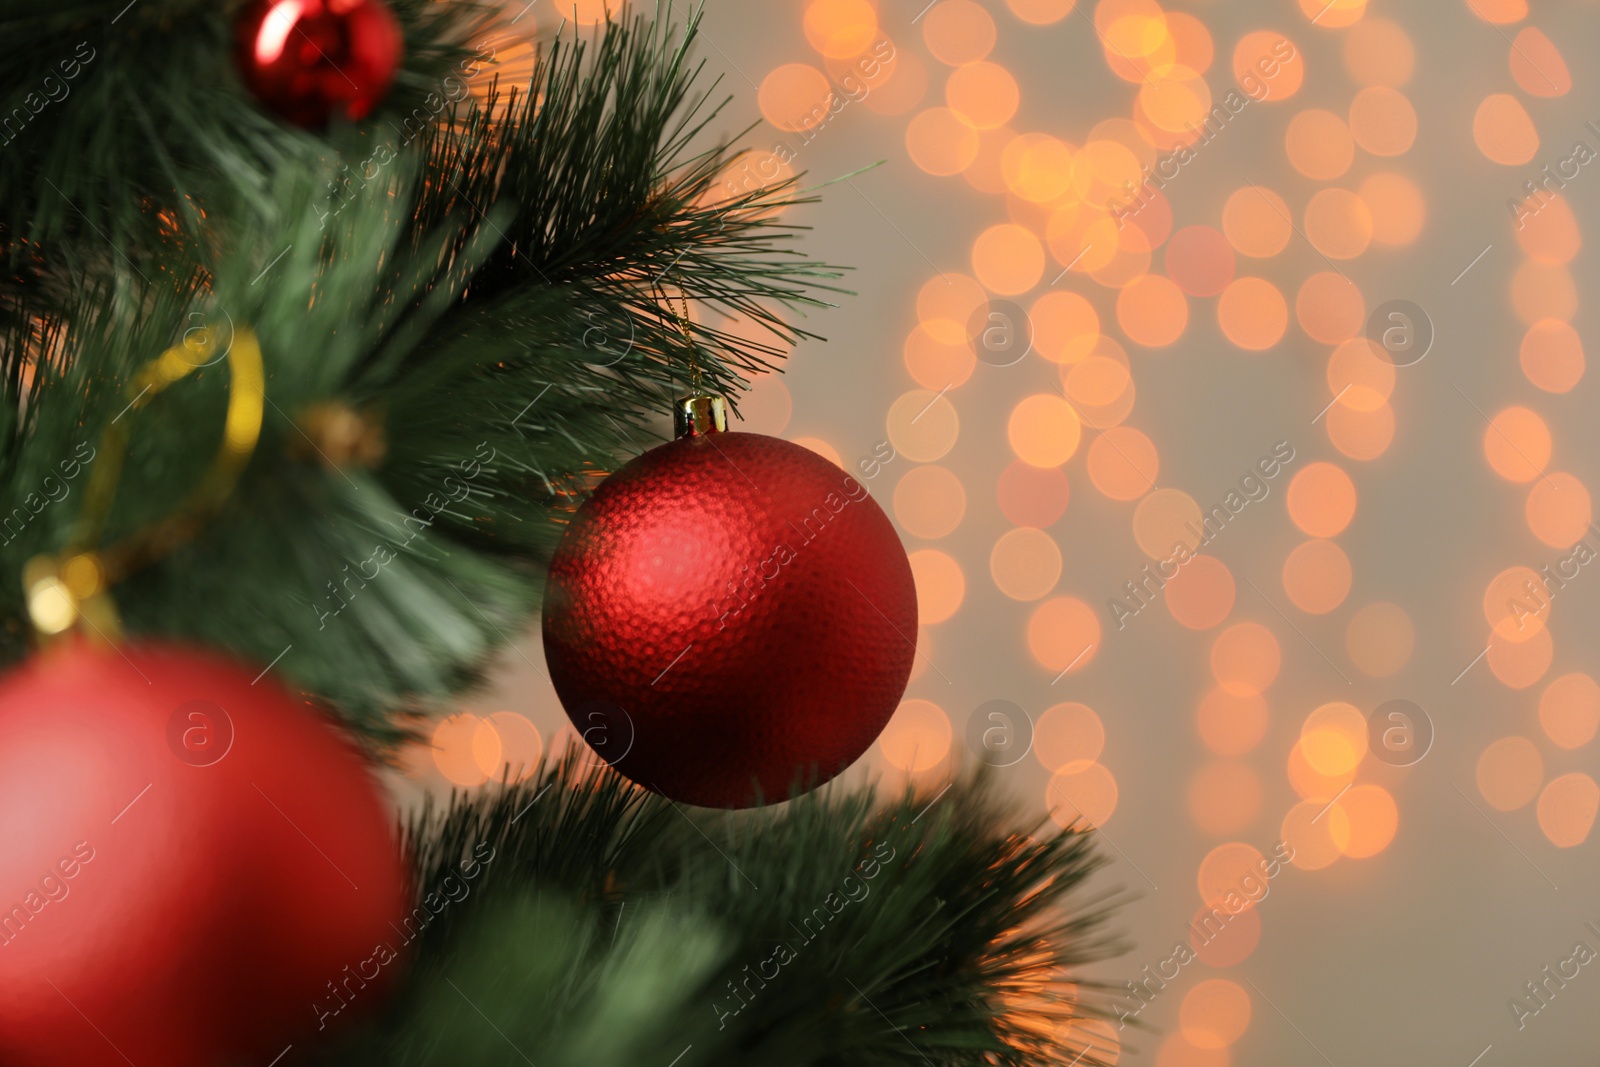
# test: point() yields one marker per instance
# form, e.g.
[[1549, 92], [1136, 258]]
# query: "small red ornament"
[[195, 869], [730, 616], [307, 60]]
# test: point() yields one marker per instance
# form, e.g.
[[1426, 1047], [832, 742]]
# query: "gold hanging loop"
[[685, 326], [688, 337], [698, 413]]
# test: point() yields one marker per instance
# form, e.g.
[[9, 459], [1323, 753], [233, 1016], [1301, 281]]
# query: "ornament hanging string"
[[698, 413], [684, 325], [66, 589], [688, 336]]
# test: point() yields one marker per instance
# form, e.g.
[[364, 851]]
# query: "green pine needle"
[[581, 921]]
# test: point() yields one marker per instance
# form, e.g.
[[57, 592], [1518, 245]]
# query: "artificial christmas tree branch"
[[122, 123], [479, 312], [575, 919]]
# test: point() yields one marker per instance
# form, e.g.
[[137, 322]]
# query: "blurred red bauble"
[[730, 616], [191, 865], [307, 60]]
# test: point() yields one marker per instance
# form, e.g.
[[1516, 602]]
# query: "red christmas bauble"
[[307, 60], [730, 616], [194, 869]]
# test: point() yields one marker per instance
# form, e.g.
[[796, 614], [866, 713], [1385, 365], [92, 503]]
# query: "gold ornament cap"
[[696, 416]]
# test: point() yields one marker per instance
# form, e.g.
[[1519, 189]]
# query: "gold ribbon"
[[71, 587]]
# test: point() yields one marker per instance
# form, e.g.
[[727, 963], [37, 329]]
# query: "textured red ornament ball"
[[307, 60], [730, 616], [190, 864]]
